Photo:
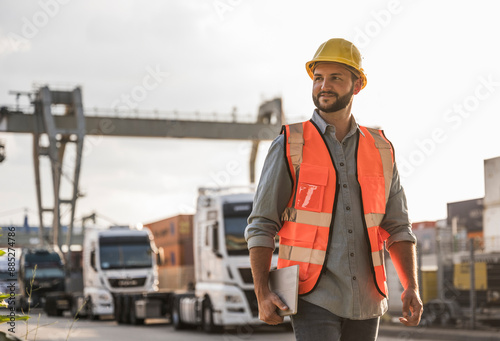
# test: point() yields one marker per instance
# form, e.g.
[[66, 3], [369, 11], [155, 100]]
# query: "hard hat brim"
[[310, 66]]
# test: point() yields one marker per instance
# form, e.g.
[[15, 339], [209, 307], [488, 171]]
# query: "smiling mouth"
[[326, 94]]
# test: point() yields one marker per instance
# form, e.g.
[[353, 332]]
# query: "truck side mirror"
[[160, 256], [92, 260], [215, 240]]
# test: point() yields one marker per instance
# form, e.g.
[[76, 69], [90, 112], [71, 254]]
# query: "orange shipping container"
[[175, 236], [178, 254]]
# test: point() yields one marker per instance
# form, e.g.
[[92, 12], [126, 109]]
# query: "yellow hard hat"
[[340, 51]]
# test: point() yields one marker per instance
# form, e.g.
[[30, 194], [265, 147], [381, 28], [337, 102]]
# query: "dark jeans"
[[313, 323]]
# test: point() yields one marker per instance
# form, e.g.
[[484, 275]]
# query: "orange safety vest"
[[308, 218]]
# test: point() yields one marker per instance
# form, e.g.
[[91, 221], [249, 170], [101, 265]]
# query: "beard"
[[340, 103]]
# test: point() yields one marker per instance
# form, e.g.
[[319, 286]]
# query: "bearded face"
[[335, 102], [333, 87]]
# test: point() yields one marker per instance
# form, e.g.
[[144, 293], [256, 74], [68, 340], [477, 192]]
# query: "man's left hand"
[[412, 307]]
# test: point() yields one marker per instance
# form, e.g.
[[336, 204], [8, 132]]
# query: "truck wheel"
[[207, 322], [133, 317], [118, 308], [125, 311], [176, 316], [90, 310], [121, 310], [77, 311]]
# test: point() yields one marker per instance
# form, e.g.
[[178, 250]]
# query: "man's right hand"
[[268, 305], [269, 302]]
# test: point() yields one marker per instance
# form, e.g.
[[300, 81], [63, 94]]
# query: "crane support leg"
[[53, 143], [267, 111]]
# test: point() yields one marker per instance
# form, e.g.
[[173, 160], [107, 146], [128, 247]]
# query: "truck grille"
[[127, 282]]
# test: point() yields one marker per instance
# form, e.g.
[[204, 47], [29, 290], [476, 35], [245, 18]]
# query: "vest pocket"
[[311, 187]]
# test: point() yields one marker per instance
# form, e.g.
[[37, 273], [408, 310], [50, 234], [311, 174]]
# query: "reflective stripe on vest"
[[308, 218]]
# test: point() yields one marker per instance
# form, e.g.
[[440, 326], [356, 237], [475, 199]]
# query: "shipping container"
[[175, 236]]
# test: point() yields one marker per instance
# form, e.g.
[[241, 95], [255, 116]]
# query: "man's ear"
[[357, 86]]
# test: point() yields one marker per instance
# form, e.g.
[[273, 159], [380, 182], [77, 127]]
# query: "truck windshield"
[[43, 273], [235, 222], [48, 265], [125, 253]]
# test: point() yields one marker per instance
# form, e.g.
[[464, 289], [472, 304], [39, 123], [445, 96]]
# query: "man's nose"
[[325, 85]]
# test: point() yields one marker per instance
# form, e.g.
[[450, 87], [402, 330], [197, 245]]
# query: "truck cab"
[[41, 271], [115, 261], [224, 292]]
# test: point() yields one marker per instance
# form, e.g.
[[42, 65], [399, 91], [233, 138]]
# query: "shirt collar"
[[322, 125]]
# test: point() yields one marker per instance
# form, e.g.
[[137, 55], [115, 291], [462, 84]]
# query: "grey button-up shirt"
[[347, 288]]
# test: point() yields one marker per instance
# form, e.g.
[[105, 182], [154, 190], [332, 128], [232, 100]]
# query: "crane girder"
[[72, 126]]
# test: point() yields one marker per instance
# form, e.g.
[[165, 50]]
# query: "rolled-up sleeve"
[[396, 221], [271, 197]]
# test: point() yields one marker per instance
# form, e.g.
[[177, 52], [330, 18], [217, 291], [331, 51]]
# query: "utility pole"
[[472, 286], [440, 268]]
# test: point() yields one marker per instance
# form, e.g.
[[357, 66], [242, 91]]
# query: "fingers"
[[278, 302], [410, 321], [412, 308], [268, 309]]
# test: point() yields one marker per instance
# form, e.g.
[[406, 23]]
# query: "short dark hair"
[[354, 73]]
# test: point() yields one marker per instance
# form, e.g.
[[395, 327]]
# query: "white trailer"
[[224, 291]]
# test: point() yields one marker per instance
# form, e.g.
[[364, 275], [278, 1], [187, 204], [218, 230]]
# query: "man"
[[331, 190]]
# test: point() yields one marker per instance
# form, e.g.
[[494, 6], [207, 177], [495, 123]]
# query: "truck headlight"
[[104, 297], [233, 299]]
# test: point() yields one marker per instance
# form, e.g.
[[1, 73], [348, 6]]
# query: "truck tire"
[[117, 308], [120, 309], [50, 306], [77, 311], [74, 310], [207, 318], [176, 315], [125, 311], [90, 311]]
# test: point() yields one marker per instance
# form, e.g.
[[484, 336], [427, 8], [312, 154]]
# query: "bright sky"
[[433, 86]]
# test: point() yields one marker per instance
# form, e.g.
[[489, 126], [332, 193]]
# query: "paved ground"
[[43, 328], [432, 333]]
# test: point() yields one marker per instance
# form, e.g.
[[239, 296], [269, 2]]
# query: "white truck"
[[119, 266], [115, 261], [223, 294]]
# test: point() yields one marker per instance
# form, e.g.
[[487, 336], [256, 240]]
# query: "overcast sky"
[[433, 85]]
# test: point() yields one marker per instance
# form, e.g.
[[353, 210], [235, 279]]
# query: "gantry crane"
[[52, 130]]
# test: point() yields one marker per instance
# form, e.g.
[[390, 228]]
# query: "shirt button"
[[350, 231], [348, 208], [344, 185], [352, 254], [342, 164], [354, 278]]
